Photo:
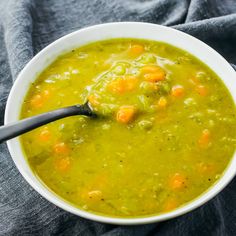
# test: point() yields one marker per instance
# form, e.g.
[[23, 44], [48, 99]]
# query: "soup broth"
[[164, 131]]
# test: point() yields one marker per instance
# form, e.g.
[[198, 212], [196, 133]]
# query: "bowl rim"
[[226, 177]]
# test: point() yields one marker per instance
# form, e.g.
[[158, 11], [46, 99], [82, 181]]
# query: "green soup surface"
[[164, 131]]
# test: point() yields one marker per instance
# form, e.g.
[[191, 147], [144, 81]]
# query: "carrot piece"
[[63, 164], [177, 181], [36, 101], [170, 204], [116, 86], [125, 114], [120, 86], [177, 91], [155, 77], [136, 49], [162, 102], [93, 100], [45, 135], [150, 69], [61, 148], [204, 139], [201, 90]]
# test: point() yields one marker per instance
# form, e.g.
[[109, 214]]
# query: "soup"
[[164, 131]]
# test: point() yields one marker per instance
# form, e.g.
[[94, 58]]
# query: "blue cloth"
[[27, 26]]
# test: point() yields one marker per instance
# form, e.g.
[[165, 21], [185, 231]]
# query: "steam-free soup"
[[164, 134]]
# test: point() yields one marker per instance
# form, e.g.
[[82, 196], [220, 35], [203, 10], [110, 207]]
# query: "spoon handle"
[[17, 128]]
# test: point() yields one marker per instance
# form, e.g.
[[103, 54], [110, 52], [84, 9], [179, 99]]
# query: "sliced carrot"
[[63, 164], [93, 99], [201, 90], [177, 91], [136, 49], [170, 204], [150, 69], [155, 77], [45, 135], [162, 102], [116, 86], [125, 114], [61, 148], [177, 181], [204, 139], [120, 86]]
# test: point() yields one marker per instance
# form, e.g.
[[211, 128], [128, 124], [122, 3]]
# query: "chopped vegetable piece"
[[61, 148], [147, 58], [201, 90], [148, 87], [119, 69], [177, 181], [120, 86], [150, 69], [125, 114], [145, 124], [162, 102], [155, 77], [177, 91], [204, 139], [136, 49], [116, 86]]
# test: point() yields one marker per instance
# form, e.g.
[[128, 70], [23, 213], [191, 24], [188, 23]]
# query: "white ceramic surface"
[[101, 32]]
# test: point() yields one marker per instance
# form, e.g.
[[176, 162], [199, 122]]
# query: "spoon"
[[20, 127]]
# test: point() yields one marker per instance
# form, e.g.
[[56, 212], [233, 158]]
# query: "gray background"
[[27, 26]]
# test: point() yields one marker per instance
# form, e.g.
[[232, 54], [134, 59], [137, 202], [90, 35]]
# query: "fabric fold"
[[18, 26]]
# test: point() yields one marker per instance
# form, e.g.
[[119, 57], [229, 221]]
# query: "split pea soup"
[[164, 131]]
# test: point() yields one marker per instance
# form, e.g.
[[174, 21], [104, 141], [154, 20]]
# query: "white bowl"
[[101, 32]]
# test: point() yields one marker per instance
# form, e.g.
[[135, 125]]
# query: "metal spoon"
[[20, 127]]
